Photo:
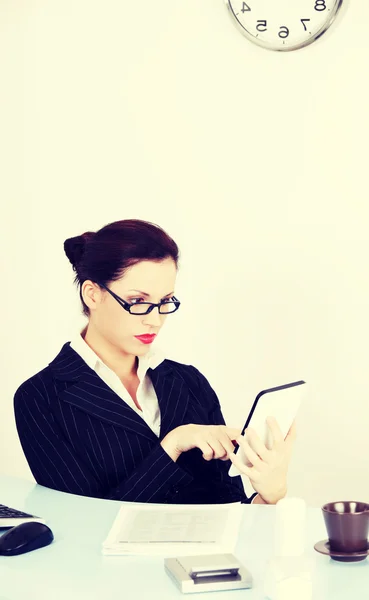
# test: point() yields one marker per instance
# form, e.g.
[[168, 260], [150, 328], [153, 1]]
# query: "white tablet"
[[281, 402]]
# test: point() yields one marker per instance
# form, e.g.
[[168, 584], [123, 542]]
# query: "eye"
[[133, 300], [170, 299]]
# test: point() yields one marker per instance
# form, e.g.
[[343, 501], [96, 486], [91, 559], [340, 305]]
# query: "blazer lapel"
[[84, 389], [173, 396]]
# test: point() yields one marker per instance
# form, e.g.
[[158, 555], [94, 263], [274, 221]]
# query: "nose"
[[154, 318]]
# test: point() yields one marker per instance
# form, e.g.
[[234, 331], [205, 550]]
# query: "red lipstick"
[[146, 339]]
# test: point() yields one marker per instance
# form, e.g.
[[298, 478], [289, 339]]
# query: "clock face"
[[283, 24]]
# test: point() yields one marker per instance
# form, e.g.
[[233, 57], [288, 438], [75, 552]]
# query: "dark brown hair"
[[103, 256]]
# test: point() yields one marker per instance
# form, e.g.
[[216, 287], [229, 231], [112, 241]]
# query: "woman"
[[110, 417]]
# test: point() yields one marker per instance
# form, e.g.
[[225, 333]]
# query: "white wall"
[[254, 161]]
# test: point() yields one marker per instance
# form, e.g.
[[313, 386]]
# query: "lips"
[[146, 338]]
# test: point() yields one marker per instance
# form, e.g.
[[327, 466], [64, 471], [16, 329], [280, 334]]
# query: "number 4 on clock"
[[245, 7]]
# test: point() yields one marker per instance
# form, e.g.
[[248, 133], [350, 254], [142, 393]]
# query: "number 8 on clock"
[[283, 25]]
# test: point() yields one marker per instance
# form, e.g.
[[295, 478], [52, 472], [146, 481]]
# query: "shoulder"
[[36, 385], [184, 369], [189, 373], [43, 382]]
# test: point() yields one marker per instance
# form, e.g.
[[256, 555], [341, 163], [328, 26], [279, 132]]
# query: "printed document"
[[157, 529]]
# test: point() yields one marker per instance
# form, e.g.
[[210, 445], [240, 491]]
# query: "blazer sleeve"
[[55, 464], [220, 468]]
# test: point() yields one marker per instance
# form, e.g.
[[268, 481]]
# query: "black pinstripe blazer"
[[79, 436]]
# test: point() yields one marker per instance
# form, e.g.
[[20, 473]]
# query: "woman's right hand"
[[214, 441]]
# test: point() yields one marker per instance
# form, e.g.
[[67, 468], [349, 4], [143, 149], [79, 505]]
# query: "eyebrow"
[[147, 295]]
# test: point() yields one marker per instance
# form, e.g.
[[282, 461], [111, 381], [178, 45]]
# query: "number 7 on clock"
[[303, 22]]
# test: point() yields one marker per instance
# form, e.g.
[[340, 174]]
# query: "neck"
[[123, 364]]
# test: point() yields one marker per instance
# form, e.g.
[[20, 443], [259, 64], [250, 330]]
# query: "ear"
[[92, 294]]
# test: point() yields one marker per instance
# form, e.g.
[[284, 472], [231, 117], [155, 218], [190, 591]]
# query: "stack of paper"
[[173, 530]]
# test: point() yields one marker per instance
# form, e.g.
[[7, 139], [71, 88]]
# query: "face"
[[147, 281]]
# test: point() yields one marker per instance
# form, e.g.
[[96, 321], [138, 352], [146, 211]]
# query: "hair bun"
[[74, 247]]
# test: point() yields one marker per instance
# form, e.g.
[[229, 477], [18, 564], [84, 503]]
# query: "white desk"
[[72, 567]]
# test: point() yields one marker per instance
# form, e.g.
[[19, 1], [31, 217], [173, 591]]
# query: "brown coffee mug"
[[347, 524]]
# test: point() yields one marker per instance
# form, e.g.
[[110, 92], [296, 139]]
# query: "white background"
[[254, 161]]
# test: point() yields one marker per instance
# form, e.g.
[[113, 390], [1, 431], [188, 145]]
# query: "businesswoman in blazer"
[[110, 417]]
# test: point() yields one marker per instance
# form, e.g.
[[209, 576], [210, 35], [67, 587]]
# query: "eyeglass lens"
[[142, 307]]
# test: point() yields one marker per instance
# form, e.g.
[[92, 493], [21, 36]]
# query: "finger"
[[227, 443], [252, 456], [275, 430], [207, 451], [219, 450], [257, 445], [232, 433], [291, 436], [292, 432], [251, 472]]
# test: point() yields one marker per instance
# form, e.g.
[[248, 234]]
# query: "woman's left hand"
[[268, 469]]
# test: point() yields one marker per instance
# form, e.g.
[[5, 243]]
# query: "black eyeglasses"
[[144, 308]]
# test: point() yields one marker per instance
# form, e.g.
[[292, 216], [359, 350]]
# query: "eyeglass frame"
[[127, 306]]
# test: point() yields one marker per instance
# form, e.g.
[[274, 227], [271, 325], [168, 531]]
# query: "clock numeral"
[[303, 22], [245, 7], [261, 25], [320, 5], [283, 32]]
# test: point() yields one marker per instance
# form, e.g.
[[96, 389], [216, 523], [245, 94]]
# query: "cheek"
[[123, 325], [117, 323]]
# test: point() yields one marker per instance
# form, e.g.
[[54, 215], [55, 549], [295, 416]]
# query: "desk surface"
[[73, 567]]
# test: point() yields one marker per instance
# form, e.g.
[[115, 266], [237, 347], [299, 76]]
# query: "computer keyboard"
[[10, 517]]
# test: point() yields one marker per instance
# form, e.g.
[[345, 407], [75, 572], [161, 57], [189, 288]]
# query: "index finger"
[[227, 443], [233, 433]]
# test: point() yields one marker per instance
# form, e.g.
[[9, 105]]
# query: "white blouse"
[[146, 394]]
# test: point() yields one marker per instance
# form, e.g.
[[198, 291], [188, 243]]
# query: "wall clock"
[[283, 25]]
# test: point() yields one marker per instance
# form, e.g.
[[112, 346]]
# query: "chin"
[[144, 350], [133, 351]]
